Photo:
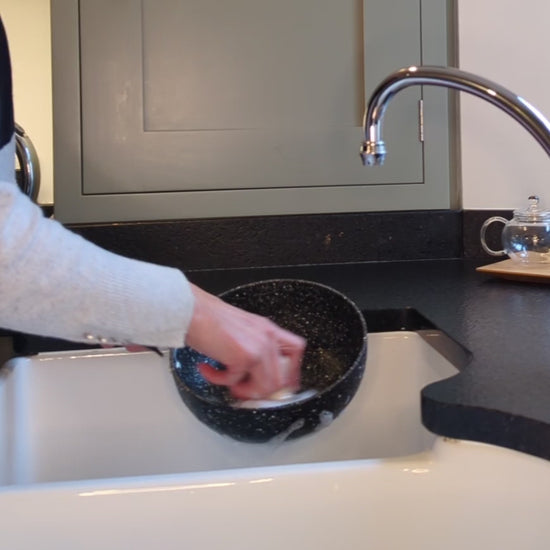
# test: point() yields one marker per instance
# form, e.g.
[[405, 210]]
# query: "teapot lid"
[[533, 212]]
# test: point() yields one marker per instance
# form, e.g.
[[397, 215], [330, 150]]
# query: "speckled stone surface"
[[223, 243]]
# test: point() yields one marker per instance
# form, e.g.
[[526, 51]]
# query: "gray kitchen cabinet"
[[174, 109]]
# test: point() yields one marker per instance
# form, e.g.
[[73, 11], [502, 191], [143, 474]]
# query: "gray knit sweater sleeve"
[[55, 283]]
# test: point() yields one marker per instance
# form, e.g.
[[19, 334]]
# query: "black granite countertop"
[[502, 395]]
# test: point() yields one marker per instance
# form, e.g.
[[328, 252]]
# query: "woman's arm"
[[55, 283]]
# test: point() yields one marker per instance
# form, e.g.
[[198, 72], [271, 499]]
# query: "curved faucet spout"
[[373, 150]]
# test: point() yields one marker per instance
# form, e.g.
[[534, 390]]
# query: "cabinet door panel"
[[181, 100]]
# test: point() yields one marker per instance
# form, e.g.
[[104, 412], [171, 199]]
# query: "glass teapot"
[[526, 237]]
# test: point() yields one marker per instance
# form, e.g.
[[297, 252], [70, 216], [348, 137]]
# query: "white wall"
[[507, 42], [499, 39], [27, 25]]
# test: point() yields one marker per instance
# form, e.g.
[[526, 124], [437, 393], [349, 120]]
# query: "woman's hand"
[[260, 357]]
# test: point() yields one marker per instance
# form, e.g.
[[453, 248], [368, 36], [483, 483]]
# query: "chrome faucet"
[[373, 149]]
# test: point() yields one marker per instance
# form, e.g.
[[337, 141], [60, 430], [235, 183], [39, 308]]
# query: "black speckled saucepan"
[[333, 365]]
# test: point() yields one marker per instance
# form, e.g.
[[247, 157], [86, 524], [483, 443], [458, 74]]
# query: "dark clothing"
[[6, 100]]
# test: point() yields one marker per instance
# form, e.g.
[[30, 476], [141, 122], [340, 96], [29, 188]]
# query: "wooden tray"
[[508, 269]]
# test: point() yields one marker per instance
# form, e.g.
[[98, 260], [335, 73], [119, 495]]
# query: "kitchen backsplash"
[[303, 239]]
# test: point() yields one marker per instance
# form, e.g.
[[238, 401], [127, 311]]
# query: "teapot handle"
[[484, 227]]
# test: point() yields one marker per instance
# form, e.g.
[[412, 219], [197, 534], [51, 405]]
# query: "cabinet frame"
[[73, 205]]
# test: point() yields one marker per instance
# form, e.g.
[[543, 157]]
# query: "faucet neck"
[[517, 107]]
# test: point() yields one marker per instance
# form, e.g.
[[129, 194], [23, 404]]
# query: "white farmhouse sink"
[[98, 451], [102, 414]]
